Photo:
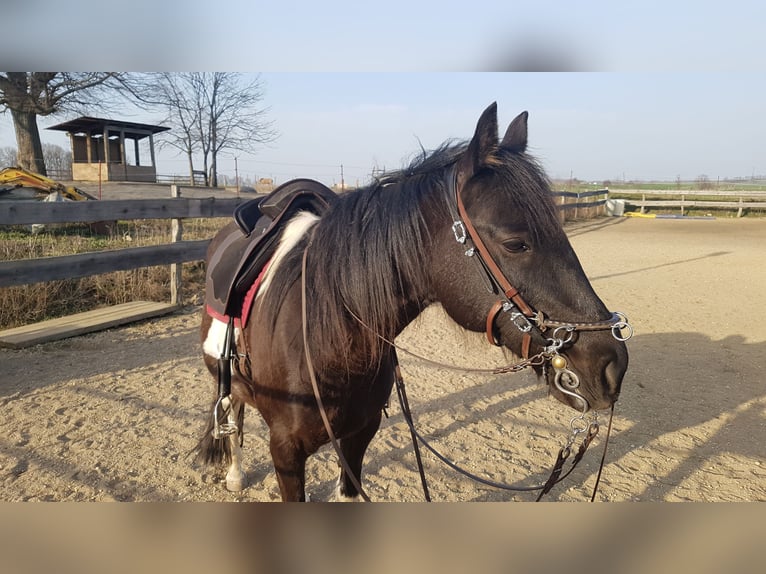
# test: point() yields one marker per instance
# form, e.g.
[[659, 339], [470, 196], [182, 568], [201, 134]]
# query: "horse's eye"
[[515, 245]]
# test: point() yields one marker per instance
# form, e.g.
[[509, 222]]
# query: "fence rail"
[[572, 205], [26, 271], [584, 204], [744, 199], [30, 212]]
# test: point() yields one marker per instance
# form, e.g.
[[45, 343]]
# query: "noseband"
[[524, 317]]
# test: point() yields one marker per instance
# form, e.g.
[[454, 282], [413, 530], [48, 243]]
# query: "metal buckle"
[[458, 229], [517, 317]]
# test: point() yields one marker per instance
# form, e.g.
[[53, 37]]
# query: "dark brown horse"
[[471, 227]]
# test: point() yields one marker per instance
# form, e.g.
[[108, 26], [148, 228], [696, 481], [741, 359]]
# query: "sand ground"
[[113, 415]]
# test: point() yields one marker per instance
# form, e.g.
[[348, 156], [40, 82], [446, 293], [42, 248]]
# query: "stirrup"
[[222, 429]]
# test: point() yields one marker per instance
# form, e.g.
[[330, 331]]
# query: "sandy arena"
[[113, 416]]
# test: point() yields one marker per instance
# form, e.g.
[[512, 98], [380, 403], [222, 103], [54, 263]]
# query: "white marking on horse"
[[236, 479], [294, 231], [338, 496], [216, 336]]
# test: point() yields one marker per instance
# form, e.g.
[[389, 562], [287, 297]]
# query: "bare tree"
[[177, 96], [58, 160], [209, 113], [28, 95], [235, 122], [7, 157], [703, 182]]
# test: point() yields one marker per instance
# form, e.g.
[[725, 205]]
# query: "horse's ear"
[[483, 143], [515, 138]]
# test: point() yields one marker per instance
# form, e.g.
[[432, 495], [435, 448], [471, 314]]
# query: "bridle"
[[523, 316]]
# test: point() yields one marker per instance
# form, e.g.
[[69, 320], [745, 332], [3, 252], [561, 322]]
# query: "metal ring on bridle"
[[580, 422], [568, 329], [621, 325]]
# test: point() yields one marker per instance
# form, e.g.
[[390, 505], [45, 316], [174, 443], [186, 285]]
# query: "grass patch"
[[26, 304]]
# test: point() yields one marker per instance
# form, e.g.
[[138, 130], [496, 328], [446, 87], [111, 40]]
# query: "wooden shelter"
[[101, 150]]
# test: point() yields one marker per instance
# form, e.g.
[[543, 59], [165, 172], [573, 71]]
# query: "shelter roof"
[[95, 126]]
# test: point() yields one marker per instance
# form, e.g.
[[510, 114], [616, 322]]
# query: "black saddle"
[[241, 249]]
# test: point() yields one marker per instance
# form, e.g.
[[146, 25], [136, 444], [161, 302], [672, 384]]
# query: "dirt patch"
[[113, 415]]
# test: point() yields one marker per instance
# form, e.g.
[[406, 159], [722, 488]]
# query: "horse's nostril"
[[614, 371]]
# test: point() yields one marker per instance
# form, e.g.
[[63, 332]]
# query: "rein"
[[578, 425], [315, 385], [527, 321]]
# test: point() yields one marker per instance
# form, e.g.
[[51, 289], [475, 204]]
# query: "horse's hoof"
[[236, 483], [338, 496]]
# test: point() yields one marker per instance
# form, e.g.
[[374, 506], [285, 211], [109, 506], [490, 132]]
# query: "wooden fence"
[[26, 271], [740, 200], [572, 205], [178, 251], [581, 205]]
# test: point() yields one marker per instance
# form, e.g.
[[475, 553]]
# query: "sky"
[[656, 90], [590, 126]]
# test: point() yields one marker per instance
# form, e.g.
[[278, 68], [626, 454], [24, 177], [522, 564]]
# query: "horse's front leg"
[[353, 448], [290, 465]]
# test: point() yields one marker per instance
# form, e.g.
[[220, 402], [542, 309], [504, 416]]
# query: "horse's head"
[[512, 272]]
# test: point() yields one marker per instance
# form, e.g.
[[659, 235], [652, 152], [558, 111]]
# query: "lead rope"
[[554, 478], [401, 393]]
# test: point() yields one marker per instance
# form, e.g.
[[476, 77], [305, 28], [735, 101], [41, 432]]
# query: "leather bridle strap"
[[522, 315], [493, 268], [526, 339], [497, 277]]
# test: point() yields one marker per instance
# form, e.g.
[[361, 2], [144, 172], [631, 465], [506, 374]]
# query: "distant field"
[[713, 186]]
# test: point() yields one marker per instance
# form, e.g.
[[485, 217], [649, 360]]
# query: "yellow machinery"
[[13, 177]]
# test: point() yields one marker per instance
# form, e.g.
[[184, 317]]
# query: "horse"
[[470, 226]]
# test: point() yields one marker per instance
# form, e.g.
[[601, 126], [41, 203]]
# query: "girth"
[[243, 247]]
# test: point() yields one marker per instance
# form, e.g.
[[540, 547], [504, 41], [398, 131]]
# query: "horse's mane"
[[365, 255]]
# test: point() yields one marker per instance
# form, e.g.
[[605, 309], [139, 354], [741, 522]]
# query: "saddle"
[[240, 251]]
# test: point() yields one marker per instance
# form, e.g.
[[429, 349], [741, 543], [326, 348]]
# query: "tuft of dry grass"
[[26, 304]]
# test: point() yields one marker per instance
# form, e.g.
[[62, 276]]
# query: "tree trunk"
[[191, 169], [30, 152], [206, 170], [214, 170]]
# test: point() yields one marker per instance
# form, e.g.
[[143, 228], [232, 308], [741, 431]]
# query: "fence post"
[[176, 232], [561, 211]]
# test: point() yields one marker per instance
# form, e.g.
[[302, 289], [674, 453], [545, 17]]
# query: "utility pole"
[[236, 174], [342, 183]]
